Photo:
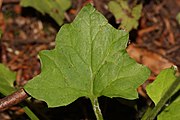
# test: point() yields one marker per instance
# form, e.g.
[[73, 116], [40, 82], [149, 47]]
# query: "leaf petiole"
[[96, 108]]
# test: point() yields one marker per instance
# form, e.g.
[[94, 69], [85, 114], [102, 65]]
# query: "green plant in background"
[[128, 17], [7, 78], [160, 91], [178, 18], [172, 111], [54, 8], [89, 60], [0, 33], [162, 83]]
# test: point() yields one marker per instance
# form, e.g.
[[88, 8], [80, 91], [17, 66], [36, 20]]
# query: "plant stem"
[[154, 112], [31, 115], [96, 108]]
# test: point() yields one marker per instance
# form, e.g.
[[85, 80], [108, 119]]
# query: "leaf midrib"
[[108, 49]]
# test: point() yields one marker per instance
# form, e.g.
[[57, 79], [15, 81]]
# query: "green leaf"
[[178, 18], [128, 17], [55, 8], [7, 78], [172, 111], [89, 60], [158, 88], [0, 33], [161, 90]]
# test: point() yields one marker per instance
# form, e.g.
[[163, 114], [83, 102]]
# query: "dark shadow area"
[[46, 19]]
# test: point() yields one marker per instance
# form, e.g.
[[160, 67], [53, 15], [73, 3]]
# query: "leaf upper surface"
[[172, 111], [158, 88], [89, 60]]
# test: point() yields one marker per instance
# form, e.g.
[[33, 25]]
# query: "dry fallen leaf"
[[154, 61]]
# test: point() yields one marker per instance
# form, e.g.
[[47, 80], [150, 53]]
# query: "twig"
[[147, 30], [67, 17], [168, 27], [13, 99]]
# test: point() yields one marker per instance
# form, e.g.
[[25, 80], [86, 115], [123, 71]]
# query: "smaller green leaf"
[[122, 12], [124, 5], [136, 11], [7, 78], [159, 87], [55, 8], [161, 90], [172, 111], [116, 9]]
